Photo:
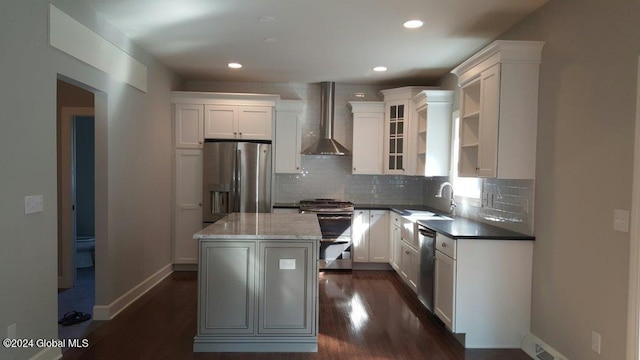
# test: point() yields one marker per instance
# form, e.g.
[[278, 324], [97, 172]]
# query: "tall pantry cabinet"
[[206, 115], [188, 122]]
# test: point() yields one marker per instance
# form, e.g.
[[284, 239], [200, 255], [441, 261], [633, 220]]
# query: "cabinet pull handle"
[[406, 252]]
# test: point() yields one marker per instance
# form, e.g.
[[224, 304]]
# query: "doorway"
[[76, 207]]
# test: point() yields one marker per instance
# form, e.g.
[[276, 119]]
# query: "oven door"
[[335, 246]]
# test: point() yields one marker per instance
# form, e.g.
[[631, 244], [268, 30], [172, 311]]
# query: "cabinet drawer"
[[447, 245]]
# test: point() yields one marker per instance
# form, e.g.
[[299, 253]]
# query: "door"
[[396, 243], [188, 205], [253, 189], [286, 288], [445, 289], [227, 268], [189, 125], [219, 180], [378, 236], [361, 236], [220, 122], [368, 140], [254, 122], [396, 116], [489, 119]]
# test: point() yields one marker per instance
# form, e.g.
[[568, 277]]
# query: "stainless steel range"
[[335, 218]]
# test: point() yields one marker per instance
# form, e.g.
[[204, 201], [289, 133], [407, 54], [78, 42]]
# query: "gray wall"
[[584, 171], [133, 169]]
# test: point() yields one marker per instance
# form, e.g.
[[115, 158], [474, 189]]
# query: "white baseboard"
[[48, 354], [108, 312], [539, 350]]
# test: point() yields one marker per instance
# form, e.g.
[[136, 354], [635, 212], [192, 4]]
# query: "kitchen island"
[[258, 284]]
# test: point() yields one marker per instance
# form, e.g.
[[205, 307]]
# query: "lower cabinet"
[[188, 205], [483, 290], [370, 236], [444, 289], [409, 265], [395, 237], [257, 293]]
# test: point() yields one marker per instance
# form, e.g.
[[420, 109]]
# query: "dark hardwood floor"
[[363, 315]]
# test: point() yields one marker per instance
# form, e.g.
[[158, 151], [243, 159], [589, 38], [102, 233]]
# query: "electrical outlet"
[[595, 342], [287, 264], [621, 220], [33, 204], [11, 331]]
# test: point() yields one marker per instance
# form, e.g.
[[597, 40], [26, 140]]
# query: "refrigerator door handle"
[[238, 179]]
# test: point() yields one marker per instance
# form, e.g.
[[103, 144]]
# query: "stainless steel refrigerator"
[[237, 178]]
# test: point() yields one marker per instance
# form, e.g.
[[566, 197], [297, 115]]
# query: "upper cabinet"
[[433, 139], [238, 122], [399, 154], [499, 110], [227, 115], [188, 126], [288, 140], [368, 137]]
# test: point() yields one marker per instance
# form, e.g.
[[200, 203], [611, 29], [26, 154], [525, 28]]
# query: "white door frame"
[[633, 323], [65, 215]]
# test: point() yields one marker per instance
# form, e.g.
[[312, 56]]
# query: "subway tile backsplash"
[[330, 177], [504, 203]]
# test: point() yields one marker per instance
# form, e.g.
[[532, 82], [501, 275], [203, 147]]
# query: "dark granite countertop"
[[292, 205], [458, 228]]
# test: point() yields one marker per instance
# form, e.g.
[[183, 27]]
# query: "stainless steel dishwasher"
[[426, 238]]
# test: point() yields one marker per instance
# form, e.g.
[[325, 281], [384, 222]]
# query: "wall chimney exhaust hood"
[[326, 145]]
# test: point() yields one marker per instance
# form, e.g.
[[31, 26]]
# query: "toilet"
[[85, 251]]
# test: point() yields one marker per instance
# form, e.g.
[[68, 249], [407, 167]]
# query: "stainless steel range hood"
[[326, 145]]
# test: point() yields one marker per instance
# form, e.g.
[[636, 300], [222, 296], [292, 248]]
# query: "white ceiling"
[[316, 40]]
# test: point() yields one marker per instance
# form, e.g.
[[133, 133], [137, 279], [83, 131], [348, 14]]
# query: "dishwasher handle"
[[426, 232]]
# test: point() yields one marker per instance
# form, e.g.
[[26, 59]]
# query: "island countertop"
[[263, 226]]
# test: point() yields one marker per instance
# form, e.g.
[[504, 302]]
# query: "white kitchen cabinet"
[[395, 236], [370, 241], [238, 122], [188, 126], [368, 137], [288, 139], [399, 155], [247, 113], [483, 290], [409, 265], [433, 139], [499, 110], [188, 205]]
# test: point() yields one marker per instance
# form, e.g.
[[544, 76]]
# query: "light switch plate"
[[596, 340], [621, 220], [287, 264], [33, 204]]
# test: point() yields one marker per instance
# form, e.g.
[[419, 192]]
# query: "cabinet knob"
[[200, 142], [444, 244], [406, 252], [200, 204], [354, 169], [235, 133], [297, 167]]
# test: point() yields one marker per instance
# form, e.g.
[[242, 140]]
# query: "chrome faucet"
[[452, 201]]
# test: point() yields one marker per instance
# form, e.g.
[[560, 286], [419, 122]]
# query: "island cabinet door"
[[227, 287], [288, 285]]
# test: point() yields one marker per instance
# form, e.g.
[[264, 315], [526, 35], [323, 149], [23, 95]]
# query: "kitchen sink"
[[424, 215]]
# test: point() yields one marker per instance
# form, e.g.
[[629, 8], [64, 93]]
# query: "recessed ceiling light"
[[266, 18], [235, 65], [380, 68], [413, 24], [270, 39]]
